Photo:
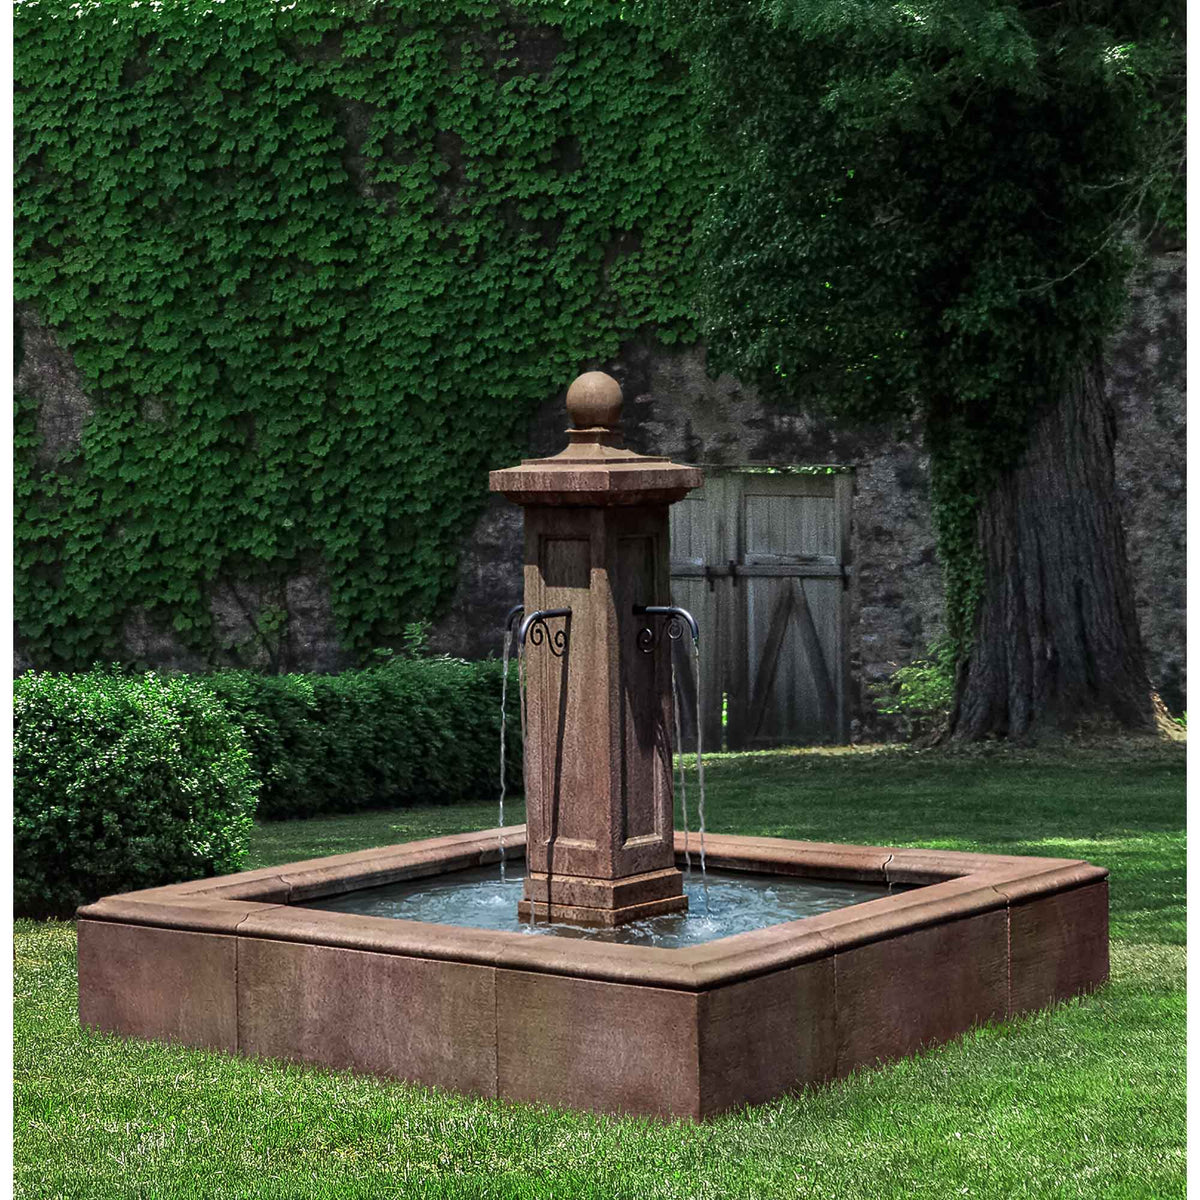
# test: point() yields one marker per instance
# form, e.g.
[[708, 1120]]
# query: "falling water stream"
[[687, 852], [521, 708], [700, 770], [508, 636], [699, 775]]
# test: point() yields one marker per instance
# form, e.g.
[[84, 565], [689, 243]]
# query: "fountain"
[[595, 987], [598, 799]]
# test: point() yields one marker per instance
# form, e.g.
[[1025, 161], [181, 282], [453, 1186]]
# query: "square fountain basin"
[[236, 963]]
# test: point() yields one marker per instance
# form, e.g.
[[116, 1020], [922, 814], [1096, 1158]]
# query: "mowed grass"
[[1086, 1100]]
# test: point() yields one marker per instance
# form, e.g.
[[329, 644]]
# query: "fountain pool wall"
[[237, 963]]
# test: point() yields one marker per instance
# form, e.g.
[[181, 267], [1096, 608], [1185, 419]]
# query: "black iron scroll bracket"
[[534, 626], [647, 637]]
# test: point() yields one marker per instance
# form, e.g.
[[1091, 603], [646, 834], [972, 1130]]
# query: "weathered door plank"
[[783, 541], [825, 692], [768, 662]]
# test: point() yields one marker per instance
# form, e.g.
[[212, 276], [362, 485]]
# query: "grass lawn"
[[1086, 1100]]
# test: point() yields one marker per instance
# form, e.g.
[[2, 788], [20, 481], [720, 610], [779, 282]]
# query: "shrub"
[[406, 731], [921, 692], [123, 782]]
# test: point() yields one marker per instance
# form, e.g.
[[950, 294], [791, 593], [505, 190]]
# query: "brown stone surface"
[[598, 779], [785, 857], [767, 1036], [604, 893], [416, 1019], [196, 913], [897, 995], [597, 768], [1059, 946], [590, 1024], [1045, 876], [594, 401], [778, 947], [935, 866], [318, 882], [421, 939], [264, 887], [746, 955], [168, 984], [936, 904], [597, 487], [604, 918], [268, 890], [595, 469], [585, 1044], [412, 939]]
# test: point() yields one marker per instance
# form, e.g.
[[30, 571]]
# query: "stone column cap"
[[595, 469]]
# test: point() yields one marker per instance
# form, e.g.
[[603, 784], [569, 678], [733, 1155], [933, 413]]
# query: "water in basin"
[[738, 902]]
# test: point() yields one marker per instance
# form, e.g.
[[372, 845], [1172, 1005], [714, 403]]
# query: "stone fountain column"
[[598, 779]]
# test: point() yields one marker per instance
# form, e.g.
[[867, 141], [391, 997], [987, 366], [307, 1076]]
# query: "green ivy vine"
[[318, 266]]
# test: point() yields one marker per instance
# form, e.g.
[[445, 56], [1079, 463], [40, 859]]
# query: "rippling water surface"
[[480, 899]]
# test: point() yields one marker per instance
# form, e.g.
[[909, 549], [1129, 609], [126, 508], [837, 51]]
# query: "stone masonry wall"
[[673, 408], [1147, 377]]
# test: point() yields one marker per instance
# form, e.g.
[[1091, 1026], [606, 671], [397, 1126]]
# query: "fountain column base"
[[579, 900]]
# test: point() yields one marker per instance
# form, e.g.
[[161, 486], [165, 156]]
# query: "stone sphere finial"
[[594, 401]]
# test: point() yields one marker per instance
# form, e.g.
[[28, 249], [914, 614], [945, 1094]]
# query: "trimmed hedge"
[[123, 782], [410, 731]]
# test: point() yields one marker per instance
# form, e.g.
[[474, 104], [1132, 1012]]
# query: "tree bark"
[[1057, 644]]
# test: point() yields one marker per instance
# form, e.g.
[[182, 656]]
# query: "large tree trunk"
[[1056, 632]]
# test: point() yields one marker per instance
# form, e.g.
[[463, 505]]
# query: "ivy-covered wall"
[[308, 272], [291, 281]]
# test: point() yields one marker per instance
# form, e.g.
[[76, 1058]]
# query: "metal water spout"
[[598, 779]]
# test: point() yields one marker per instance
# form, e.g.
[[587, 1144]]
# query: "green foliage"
[[928, 211], [123, 782], [416, 634], [405, 732], [921, 692], [318, 266], [798, 469]]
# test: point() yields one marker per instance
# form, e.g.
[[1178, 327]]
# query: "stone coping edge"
[[268, 903]]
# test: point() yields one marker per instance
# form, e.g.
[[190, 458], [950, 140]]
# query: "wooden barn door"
[[761, 560]]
